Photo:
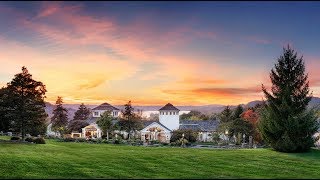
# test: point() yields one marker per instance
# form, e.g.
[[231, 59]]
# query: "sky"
[[152, 53]]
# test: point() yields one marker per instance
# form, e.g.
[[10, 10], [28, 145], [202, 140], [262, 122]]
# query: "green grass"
[[83, 160]]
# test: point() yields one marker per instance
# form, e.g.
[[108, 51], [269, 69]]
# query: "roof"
[[105, 106], [169, 106], [147, 123], [201, 125]]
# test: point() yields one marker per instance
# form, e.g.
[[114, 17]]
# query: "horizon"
[[153, 53]]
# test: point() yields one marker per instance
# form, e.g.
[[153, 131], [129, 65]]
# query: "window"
[[96, 113], [166, 113], [170, 113]]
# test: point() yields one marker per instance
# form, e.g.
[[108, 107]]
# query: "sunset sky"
[[186, 53]]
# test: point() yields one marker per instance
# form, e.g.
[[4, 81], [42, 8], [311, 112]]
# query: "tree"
[[129, 121], [194, 115], [79, 119], [60, 117], [25, 103], [82, 113], [154, 117], [189, 134], [4, 102], [252, 117], [225, 118], [105, 122], [286, 123]]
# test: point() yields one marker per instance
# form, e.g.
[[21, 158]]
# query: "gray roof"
[[105, 106], [194, 127], [169, 106], [147, 123], [201, 125]]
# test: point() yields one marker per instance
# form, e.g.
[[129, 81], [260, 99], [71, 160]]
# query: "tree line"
[[284, 122]]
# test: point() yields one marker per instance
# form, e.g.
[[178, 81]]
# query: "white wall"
[[100, 112], [147, 113], [170, 121]]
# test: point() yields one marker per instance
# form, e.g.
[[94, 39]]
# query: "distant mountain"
[[147, 110]]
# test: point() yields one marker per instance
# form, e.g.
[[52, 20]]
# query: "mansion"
[[152, 130]]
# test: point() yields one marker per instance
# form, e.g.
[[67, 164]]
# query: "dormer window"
[[96, 113]]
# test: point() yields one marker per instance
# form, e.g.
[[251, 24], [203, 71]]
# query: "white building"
[[93, 130], [153, 130], [99, 110]]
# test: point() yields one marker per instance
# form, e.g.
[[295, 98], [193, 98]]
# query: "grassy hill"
[[83, 160]]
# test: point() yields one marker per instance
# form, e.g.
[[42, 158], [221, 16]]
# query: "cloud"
[[259, 40], [216, 91], [202, 80]]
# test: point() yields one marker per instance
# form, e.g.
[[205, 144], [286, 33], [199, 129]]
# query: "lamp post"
[[227, 133], [182, 140]]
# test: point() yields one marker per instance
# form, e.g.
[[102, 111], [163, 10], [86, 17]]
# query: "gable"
[[155, 125]]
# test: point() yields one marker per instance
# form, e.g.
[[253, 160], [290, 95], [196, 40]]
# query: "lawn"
[[83, 160]]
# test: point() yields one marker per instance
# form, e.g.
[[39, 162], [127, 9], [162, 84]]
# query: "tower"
[[169, 116]]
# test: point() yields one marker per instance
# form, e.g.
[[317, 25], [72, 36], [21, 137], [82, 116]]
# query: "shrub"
[[15, 138], [80, 140], [39, 140], [154, 142], [29, 139], [105, 141], [68, 139], [182, 142], [165, 144], [189, 135]]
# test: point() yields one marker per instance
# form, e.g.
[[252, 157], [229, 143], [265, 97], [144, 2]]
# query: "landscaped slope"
[[83, 160]]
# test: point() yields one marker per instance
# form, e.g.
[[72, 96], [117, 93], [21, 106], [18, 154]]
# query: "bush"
[[105, 141], [117, 141], [80, 140], [29, 139], [165, 144], [15, 138], [182, 142], [154, 142], [39, 140], [68, 139], [189, 135]]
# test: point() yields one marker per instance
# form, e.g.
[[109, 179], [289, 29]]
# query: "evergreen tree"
[[225, 118], [79, 119], [286, 123], [237, 112], [82, 113], [4, 102], [105, 122], [60, 117], [25, 104], [129, 120], [226, 115]]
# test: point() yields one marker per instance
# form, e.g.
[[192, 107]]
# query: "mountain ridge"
[[206, 109]]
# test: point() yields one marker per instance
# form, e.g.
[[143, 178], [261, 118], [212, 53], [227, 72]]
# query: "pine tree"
[[286, 123], [60, 117], [129, 120], [105, 122], [4, 102], [82, 113], [225, 118], [25, 104], [79, 119]]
